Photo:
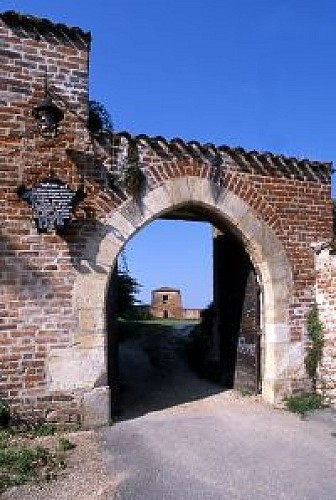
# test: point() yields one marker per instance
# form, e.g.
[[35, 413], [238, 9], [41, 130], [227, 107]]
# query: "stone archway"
[[54, 329], [88, 355]]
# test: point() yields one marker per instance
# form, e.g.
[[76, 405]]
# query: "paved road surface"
[[222, 446], [225, 447]]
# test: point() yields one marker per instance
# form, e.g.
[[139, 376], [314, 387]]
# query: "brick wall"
[[192, 314], [36, 270]]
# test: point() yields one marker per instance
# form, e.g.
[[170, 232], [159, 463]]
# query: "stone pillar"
[[112, 339], [81, 369], [325, 266]]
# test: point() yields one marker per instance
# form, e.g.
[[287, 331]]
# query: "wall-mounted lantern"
[[48, 116]]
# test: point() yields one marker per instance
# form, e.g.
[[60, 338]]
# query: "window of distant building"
[[164, 299]]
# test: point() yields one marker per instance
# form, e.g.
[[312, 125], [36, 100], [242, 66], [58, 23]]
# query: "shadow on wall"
[[23, 275], [84, 248]]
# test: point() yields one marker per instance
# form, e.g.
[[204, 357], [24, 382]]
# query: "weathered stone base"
[[53, 407], [89, 408], [96, 407], [325, 265]]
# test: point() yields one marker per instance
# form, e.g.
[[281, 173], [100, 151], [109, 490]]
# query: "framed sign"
[[52, 202]]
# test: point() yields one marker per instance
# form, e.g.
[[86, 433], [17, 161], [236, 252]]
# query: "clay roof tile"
[[43, 29]]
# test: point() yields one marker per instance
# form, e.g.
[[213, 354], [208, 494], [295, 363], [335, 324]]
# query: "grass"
[[22, 461], [303, 404], [128, 329], [159, 321], [65, 445]]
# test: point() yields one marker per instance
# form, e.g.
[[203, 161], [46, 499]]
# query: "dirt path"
[[155, 374], [85, 477]]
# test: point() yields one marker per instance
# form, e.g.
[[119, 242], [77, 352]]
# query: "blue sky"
[[259, 74], [173, 253]]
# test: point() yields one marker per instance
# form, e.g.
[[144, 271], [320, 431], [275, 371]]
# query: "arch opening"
[[229, 214], [224, 348]]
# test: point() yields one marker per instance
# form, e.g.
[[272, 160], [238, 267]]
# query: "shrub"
[[302, 404], [99, 118], [41, 429], [133, 175]]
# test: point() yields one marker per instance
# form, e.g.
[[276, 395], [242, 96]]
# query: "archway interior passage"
[[237, 314], [234, 327]]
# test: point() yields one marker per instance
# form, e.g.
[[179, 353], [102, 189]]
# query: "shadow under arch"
[[227, 210]]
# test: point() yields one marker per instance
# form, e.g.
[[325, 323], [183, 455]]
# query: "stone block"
[[178, 191], [96, 407], [76, 368]]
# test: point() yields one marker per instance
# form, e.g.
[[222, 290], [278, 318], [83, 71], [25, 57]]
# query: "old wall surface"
[[192, 314], [326, 301], [53, 287], [37, 271], [166, 303]]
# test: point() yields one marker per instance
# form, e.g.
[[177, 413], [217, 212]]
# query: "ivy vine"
[[315, 351], [133, 177]]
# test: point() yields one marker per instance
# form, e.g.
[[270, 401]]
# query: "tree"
[[127, 288]]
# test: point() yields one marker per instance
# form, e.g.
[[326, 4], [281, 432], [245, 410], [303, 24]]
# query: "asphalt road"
[[222, 448], [214, 445]]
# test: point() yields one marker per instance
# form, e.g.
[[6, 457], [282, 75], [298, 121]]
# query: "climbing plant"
[[315, 351], [133, 176], [100, 125]]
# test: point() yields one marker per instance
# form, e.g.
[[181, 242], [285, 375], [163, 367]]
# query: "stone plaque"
[[52, 202]]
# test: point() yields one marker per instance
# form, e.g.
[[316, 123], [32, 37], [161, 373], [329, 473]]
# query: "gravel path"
[[85, 477]]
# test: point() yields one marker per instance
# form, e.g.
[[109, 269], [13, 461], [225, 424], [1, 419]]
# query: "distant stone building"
[[167, 303], [192, 314]]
